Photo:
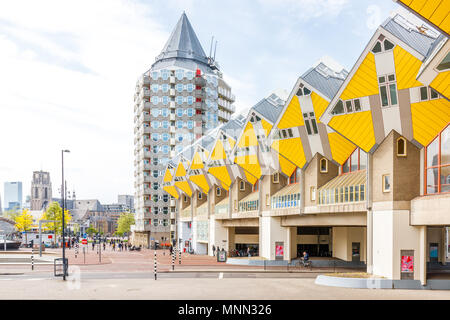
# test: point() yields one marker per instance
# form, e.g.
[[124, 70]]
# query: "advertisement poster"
[[407, 264], [279, 250]]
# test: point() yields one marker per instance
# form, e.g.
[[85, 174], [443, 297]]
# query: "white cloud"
[[67, 81], [306, 9]]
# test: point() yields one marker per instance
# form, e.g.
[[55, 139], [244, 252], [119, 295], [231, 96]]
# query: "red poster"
[[407, 264], [279, 250]]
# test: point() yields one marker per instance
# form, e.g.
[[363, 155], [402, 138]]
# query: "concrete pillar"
[[302, 191], [443, 247], [230, 239], [217, 233], [369, 242], [271, 232], [423, 255]]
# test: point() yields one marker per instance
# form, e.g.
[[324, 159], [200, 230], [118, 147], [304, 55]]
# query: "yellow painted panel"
[[340, 147], [427, 11], [442, 83], [417, 5], [266, 126], [219, 152], [406, 68], [167, 176], [197, 162], [206, 153], [200, 180], [291, 149], [319, 105], [292, 117], [172, 191], [225, 186], [364, 82], [181, 171], [184, 186], [429, 118], [249, 163], [445, 25], [357, 127], [286, 166], [250, 178], [440, 14], [248, 138], [221, 173]]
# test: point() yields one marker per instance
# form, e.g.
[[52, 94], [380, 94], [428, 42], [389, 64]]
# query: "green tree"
[[54, 212], [91, 230], [24, 222], [124, 223]]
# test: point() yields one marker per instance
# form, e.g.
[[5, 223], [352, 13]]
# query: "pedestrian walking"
[[114, 246], [93, 245], [104, 246], [214, 250]]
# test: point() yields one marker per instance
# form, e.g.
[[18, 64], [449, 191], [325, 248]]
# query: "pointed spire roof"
[[183, 43]]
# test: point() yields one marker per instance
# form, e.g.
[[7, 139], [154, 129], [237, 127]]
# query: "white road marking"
[[221, 275], [5, 279]]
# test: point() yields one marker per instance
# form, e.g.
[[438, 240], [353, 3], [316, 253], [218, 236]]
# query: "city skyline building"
[[13, 195], [176, 102]]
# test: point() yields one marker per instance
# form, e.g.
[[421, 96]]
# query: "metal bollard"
[[155, 265], [32, 259], [76, 249], [179, 255], [173, 259]]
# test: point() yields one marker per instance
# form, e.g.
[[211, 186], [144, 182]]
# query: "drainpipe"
[[302, 192], [369, 221]]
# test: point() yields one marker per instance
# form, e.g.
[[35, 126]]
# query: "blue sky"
[[69, 69]]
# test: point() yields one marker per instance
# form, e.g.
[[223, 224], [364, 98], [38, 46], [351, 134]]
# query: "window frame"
[[242, 185], [383, 182], [439, 165], [387, 84], [404, 154], [277, 180], [326, 165]]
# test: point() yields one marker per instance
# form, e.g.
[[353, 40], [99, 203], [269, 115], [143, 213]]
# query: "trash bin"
[[61, 266]]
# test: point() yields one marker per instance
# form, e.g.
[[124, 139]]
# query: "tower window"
[[386, 183], [401, 147], [323, 165]]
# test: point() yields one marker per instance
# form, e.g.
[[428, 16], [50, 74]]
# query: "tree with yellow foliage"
[[54, 212], [24, 222]]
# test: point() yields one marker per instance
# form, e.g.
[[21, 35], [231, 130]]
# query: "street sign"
[[84, 235], [84, 241]]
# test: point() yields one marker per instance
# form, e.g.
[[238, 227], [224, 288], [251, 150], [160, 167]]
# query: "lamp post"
[[63, 205]]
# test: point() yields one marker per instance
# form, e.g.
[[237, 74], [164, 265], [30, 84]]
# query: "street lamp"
[[63, 205]]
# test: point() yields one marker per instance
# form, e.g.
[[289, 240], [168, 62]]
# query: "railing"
[[344, 194], [286, 201], [250, 205]]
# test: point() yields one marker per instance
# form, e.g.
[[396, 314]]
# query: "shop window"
[[323, 165], [386, 183], [437, 164], [401, 147]]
